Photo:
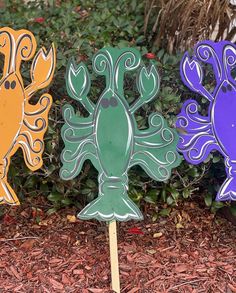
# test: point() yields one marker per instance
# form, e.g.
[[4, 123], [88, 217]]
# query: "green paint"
[[109, 136]]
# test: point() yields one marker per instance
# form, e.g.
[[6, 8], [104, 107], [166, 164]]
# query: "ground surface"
[[191, 251]]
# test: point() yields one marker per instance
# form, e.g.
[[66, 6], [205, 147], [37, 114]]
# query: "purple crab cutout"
[[216, 131]]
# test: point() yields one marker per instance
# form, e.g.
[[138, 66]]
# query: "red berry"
[[150, 55], [39, 19]]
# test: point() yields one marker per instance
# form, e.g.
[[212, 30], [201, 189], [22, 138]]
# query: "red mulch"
[[190, 251]]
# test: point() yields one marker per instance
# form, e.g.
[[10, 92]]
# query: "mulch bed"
[[189, 251]]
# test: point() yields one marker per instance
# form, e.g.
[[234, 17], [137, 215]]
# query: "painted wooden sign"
[[109, 136], [22, 124], [217, 130]]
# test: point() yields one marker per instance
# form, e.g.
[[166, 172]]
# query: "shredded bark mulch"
[[189, 251]]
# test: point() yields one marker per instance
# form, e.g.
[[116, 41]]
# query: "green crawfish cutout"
[[109, 136]]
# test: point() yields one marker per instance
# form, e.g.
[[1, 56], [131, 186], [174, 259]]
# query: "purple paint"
[[217, 131]]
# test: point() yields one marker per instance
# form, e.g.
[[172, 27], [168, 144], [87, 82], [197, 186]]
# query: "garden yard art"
[[217, 131], [110, 139], [22, 124]]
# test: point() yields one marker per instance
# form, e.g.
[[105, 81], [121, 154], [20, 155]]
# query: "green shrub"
[[79, 30]]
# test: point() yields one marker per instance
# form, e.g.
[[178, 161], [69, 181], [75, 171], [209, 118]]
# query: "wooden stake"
[[115, 278]]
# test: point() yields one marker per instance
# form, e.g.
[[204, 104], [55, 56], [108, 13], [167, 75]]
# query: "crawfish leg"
[[155, 149], [73, 159], [78, 137], [34, 126]]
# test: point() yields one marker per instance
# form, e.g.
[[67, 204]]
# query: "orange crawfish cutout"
[[22, 124]]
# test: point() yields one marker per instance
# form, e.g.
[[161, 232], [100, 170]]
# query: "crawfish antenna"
[[6, 47], [25, 46]]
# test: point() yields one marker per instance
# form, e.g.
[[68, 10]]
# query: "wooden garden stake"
[[115, 278], [110, 138]]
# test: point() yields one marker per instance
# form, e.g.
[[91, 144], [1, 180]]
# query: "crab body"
[[203, 134], [14, 107], [22, 124], [224, 119], [109, 136], [114, 137]]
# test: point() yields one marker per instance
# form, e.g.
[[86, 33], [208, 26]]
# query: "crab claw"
[[43, 67], [78, 80], [78, 84], [191, 72], [148, 83], [192, 76]]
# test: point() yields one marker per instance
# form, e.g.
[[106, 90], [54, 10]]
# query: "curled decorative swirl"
[[25, 48], [167, 135], [6, 44], [229, 58], [182, 122], [207, 54], [148, 138], [39, 124], [69, 113], [102, 63], [70, 156], [196, 153], [70, 174], [156, 123], [171, 157], [192, 119], [187, 145], [36, 146], [31, 147], [129, 61], [40, 107], [70, 136], [164, 172]]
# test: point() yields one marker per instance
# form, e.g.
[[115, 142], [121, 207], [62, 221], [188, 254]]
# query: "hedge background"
[[79, 30]]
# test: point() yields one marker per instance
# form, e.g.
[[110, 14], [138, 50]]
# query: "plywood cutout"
[[109, 136], [217, 131], [22, 124]]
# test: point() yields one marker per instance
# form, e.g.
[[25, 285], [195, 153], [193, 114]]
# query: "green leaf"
[[55, 196], [208, 200], [233, 210], [170, 200], [165, 212], [186, 193], [51, 211]]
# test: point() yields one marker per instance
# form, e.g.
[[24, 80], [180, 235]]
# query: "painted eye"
[[224, 89], [13, 84], [105, 103], [113, 102], [229, 87], [7, 85]]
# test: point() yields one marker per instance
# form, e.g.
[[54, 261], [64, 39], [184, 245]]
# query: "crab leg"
[[75, 122], [34, 126], [197, 139], [71, 169], [154, 149]]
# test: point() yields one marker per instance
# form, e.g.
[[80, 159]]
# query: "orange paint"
[[22, 124]]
